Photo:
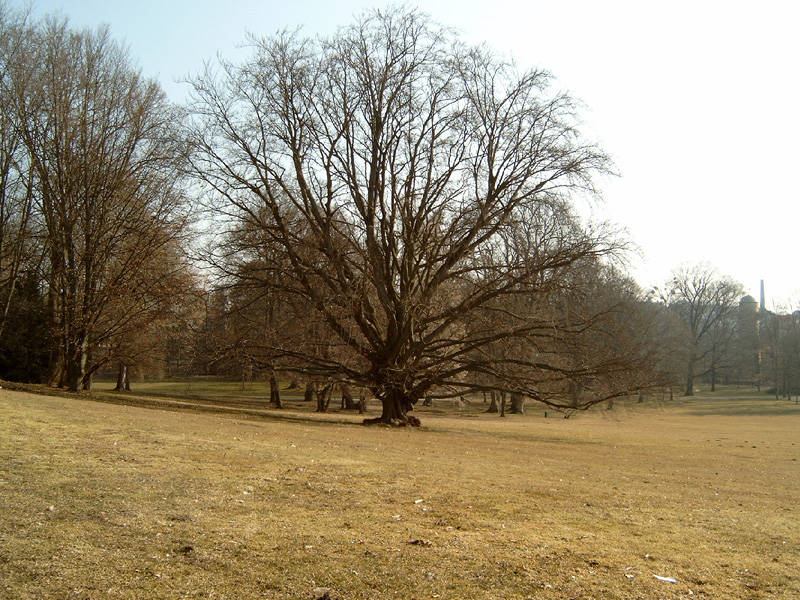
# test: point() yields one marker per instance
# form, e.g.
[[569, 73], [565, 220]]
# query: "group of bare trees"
[[389, 210], [93, 205], [717, 334], [779, 335], [706, 309]]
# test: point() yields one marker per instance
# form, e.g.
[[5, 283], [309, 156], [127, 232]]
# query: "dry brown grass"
[[106, 501]]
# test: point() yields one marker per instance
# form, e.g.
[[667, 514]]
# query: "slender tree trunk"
[[502, 404], [493, 406], [348, 402], [274, 390], [127, 380], [122, 373], [89, 375], [56, 375], [362, 402], [323, 394], [690, 377], [713, 379]]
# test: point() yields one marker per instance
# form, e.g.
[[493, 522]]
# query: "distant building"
[[767, 346], [748, 340]]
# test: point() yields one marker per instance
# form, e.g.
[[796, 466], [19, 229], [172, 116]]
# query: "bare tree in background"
[[706, 304], [131, 330], [780, 349], [400, 186]]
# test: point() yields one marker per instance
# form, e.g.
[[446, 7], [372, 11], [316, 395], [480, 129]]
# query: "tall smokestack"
[[762, 306]]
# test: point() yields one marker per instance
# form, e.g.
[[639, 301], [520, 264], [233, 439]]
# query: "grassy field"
[[99, 500]]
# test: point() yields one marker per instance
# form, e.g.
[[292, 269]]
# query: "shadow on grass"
[[745, 410], [250, 410], [737, 406]]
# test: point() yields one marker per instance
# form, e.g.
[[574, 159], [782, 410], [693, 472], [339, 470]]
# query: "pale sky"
[[697, 102]]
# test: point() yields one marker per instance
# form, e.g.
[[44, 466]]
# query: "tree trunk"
[[323, 393], [76, 363], [517, 404], [56, 360], [308, 395], [713, 379], [690, 378], [56, 376], [87, 377], [127, 380], [122, 374], [348, 402], [395, 407], [502, 404], [274, 391], [493, 407], [575, 392], [362, 402]]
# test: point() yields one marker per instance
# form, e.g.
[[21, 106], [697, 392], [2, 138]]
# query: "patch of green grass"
[[108, 501]]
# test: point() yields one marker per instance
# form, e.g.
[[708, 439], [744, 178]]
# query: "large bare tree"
[[398, 188]]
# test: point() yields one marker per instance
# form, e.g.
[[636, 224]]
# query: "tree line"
[[386, 208]]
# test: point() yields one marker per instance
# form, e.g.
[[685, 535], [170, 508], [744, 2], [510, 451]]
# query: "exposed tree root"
[[408, 421]]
